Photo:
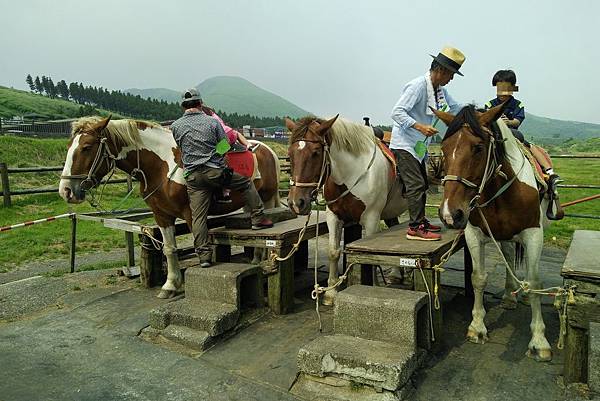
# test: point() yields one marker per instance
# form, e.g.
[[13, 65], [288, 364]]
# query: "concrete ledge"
[[196, 339], [212, 317], [374, 363], [383, 314], [220, 283]]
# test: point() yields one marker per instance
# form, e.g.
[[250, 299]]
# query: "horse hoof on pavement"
[[329, 297], [166, 294], [476, 338], [542, 355]]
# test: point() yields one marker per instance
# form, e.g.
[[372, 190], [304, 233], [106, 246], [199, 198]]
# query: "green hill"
[[551, 131], [15, 102], [232, 95]]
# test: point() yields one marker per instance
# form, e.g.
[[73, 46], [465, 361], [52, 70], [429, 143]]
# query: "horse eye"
[[477, 148], [85, 148]]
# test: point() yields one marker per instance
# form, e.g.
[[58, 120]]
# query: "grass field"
[[51, 240]]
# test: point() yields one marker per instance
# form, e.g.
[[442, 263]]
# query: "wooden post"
[[222, 253], [419, 285], [576, 344], [151, 263], [130, 249], [5, 185], [301, 257], [351, 233], [281, 285], [73, 241], [468, 262]]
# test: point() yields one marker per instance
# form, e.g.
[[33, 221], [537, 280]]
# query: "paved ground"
[[75, 337]]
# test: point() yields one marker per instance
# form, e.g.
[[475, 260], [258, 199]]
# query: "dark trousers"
[[201, 184], [413, 175]]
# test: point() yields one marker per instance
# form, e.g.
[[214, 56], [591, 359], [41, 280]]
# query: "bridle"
[[325, 168], [103, 153], [492, 169]]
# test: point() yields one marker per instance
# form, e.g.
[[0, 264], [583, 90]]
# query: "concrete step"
[[198, 340], [383, 314], [212, 317], [381, 365], [236, 284]]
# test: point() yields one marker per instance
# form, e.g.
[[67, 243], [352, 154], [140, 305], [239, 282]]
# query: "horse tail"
[[276, 199]]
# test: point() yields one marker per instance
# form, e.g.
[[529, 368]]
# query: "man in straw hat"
[[414, 126], [203, 142]]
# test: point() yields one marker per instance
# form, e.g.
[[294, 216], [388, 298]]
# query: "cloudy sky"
[[328, 56]]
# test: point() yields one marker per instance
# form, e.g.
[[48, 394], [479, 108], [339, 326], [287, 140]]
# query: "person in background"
[[199, 138], [412, 132]]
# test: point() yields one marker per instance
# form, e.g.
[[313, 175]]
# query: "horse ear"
[[291, 126], [100, 125], [325, 125], [492, 114], [442, 115]]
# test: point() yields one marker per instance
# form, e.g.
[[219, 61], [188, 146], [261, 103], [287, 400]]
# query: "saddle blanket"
[[390, 156], [242, 163]]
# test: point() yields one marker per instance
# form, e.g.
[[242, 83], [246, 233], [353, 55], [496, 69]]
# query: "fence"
[[7, 193], [60, 128]]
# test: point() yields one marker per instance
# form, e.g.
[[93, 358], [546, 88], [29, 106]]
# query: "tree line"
[[91, 97]]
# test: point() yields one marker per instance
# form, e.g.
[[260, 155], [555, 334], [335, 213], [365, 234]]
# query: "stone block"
[[224, 282], [383, 314], [196, 339], [243, 221], [212, 317], [381, 365], [594, 358]]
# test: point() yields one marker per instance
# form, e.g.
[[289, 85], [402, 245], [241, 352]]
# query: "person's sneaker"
[[205, 264], [420, 233], [432, 227], [263, 223]]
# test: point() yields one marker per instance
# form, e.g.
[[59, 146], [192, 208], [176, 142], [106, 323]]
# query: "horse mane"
[[465, 116], [350, 136], [125, 132]]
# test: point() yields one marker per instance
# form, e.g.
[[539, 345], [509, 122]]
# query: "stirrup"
[[554, 203]]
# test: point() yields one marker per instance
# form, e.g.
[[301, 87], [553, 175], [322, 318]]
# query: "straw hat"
[[451, 58]]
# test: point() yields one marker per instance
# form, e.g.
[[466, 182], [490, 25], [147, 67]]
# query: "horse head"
[[467, 159], [308, 149], [89, 158]]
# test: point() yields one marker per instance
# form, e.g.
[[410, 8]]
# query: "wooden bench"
[[581, 268], [391, 248]]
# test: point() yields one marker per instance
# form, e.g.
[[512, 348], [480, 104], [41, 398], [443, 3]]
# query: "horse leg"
[[174, 279], [477, 332], [334, 225], [509, 299], [538, 348]]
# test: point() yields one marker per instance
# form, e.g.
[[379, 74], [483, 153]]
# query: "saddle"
[[540, 161], [388, 155]]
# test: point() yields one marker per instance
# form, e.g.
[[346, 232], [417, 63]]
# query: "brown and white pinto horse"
[[359, 183], [486, 170], [149, 153]]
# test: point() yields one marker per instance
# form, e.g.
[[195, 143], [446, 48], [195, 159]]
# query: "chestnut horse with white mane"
[[490, 187], [149, 153], [359, 182]]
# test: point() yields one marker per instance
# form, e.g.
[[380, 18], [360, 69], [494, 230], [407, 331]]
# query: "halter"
[[325, 166], [492, 168], [102, 154]]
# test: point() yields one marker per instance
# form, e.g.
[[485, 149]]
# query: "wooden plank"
[[393, 242], [585, 310], [583, 257], [285, 230], [576, 356], [243, 220]]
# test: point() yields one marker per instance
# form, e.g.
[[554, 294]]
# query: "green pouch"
[[420, 148], [223, 146]]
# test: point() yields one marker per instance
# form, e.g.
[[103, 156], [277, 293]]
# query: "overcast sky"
[[328, 56]]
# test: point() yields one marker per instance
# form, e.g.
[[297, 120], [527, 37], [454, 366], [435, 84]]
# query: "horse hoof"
[[165, 294], [542, 355], [508, 304], [476, 338]]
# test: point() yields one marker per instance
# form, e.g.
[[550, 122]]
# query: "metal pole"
[[73, 240], [5, 185]]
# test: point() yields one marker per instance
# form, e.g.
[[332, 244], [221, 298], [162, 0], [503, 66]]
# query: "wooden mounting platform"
[[392, 248]]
